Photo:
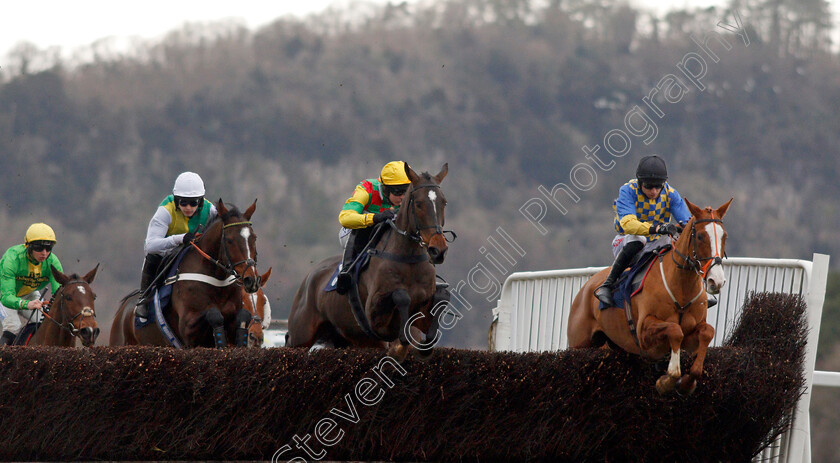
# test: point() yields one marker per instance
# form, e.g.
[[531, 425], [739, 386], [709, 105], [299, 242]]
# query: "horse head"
[[72, 307], [257, 304], [239, 245], [422, 213], [702, 246]]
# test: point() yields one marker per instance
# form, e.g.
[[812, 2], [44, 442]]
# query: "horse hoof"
[[316, 347], [423, 354], [686, 386], [665, 385]]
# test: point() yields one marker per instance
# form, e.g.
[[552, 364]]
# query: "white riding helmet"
[[188, 185]]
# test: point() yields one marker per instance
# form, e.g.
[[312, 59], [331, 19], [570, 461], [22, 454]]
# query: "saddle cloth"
[[632, 280], [162, 292], [360, 264]]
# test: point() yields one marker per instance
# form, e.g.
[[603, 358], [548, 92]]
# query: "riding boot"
[[711, 303], [7, 339], [342, 284], [150, 266], [622, 260]]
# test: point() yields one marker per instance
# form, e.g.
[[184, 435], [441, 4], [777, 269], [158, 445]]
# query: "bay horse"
[[205, 307], [396, 291], [71, 315], [669, 313], [260, 309]]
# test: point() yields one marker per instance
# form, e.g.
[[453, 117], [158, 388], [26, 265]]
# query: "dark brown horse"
[[71, 315], [259, 308], [396, 291], [669, 313], [206, 301]]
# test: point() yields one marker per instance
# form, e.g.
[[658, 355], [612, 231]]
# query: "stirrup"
[[605, 298], [343, 282]]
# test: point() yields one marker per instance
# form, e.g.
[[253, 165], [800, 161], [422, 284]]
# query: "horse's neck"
[[680, 280], [397, 243], [50, 334]]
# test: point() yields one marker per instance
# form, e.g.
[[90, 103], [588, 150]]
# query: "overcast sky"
[[70, 24]]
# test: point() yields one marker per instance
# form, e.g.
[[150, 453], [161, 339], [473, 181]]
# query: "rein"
[[415, 235], [230, 268], [692, 263], [69, 326]]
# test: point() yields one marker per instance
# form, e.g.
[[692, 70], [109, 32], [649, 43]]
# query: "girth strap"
[[201, 278]]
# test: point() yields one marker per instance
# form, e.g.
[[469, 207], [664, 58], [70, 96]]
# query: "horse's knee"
[[401, 298]]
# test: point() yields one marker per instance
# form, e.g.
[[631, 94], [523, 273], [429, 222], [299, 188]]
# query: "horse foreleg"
[[243, 320], [217, 323], [701, 338], [402, 302], [658, 333]]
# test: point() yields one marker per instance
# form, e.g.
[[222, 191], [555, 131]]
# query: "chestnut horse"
[[70, 314], [669, 313], [205, 307], [396, 291], [258, 306]]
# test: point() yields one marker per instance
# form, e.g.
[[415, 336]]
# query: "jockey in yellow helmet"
[[374, 201], [25, 270]]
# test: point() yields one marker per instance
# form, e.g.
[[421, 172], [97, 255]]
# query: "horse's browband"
[[235, 224]]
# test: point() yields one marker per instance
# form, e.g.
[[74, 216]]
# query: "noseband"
[[69, 326], [693, 262], [415, 235]]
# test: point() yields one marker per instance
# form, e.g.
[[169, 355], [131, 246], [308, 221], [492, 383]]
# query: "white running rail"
[[533, 308]]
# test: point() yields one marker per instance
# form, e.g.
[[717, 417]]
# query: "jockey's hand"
[[665, 229], [34, 305], [387, 214], [188, 237]]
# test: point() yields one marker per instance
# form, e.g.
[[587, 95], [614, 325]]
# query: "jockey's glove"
[[664, 229], [379, 217], [188, 237]]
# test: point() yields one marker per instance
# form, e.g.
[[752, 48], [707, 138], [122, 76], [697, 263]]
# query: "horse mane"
[[233, 212]]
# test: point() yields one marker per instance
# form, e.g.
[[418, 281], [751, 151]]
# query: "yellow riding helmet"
[[394, 174], [39, 232]]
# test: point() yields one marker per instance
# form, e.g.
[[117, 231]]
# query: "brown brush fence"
[[238, 404]]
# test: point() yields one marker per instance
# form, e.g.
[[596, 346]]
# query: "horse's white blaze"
[[433, 197], [246, 233], [674, 364], [81, 289], [715, 277], [266, 313]]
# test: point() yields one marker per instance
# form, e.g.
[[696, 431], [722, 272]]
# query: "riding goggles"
[[191, 202], [397, 190], [38, 247], [651, 186]]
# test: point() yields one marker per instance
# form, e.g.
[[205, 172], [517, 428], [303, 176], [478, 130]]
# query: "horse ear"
[[443, 171], [59, 277], [695, 211], [264, 277], [411, 174], [220, 207], [250, 210], [91, 275], [721, 211]]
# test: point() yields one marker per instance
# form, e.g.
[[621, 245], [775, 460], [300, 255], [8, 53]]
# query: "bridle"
[[255, 318], [230, 267], [68, 326], [693, 262], [415, 234]]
